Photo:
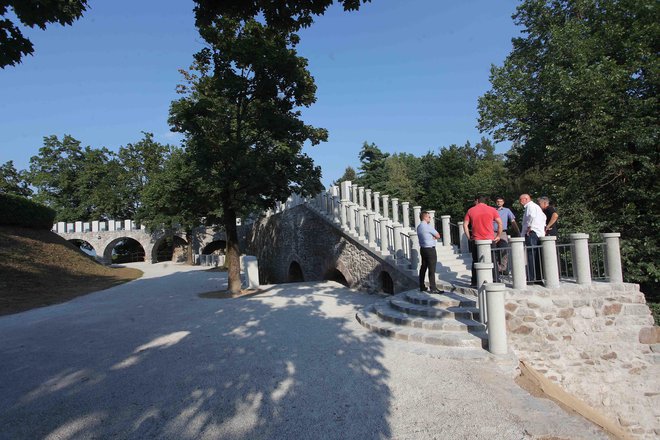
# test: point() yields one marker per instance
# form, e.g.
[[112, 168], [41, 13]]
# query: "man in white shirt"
[[533, 227]]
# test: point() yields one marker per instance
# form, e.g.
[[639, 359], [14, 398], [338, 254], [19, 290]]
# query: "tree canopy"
[[13, 44], [13, 181]]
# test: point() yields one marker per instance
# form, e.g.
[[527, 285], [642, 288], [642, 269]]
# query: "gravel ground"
[[151, 359]]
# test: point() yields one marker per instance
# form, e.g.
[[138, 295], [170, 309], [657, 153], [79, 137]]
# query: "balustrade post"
[[383, 237], [405, 207], [361, 195], [371, 228], [497, 343], [484, 276], [377, 203], [354, 196], [417, 210], [446, 232], [361, 212], [367, 198], [352, 227], [464, 246], [395, 210], [483, 251], [343, 205], [346, 190], [398, 244], [581, 263], [613, 257], [415, 260], [517, 262], [549, 261], [386, 199], [336, 209]]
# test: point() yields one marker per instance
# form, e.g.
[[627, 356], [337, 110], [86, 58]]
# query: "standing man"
[[427, 238], [533, 226], [482, 217], [551, 216], [507, 217]]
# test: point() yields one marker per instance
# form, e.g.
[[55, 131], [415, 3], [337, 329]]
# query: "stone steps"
[[448, 319]]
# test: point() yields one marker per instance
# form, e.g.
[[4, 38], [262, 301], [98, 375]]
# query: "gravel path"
[[151, 359]]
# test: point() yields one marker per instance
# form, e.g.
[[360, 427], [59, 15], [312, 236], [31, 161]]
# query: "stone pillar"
[[518, 262], [361, 195], [386, 206], [549, 261], [78, 226], [415, 260], [361, 213], [377, 203], [352, 227], [483, 251], [354, 194], [95, 226], [496, 318], [464, 245], [484, 276], [346, 190], [581, 263], [251, 270], [128, 224], [395, 210], [398, 243], [371, 228], [343, 214], [336, 208], [405, 207], [367, 198], [417, 210], [613, 257], [446, 233], [112, 225], [383, 237]]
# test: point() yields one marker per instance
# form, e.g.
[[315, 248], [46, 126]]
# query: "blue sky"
[[405, 75]]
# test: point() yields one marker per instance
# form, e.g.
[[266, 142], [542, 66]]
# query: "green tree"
[[400, 171], [372, 169], [13, 181], [177, 197], [349, 174], [13, 45], [578, 97], [241, 119]]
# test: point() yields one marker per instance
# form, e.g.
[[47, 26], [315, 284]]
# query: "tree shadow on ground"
[[150, 359]]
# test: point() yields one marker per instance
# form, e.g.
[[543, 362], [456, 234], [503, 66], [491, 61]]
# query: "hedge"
[[19, 211]]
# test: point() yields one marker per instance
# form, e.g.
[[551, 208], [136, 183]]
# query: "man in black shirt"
[[551, 216]]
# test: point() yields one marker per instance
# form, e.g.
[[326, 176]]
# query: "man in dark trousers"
[[427, 238], [481, 217], [551, 216]]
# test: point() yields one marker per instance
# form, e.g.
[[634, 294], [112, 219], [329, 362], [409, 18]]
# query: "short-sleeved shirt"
[[426, 234], [548, 215], [506, 215], [481, 217]]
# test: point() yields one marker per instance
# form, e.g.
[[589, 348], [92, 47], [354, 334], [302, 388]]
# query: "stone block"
[[587, 313], [655, 348], [647, 335], [511, 307], [612, 309], [524, 311], [522, 330], [580, 303], [636, 309], [566, 313], [561, 302], [609, 356]]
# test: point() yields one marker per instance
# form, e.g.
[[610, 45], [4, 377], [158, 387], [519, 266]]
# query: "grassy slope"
[[39, 268]]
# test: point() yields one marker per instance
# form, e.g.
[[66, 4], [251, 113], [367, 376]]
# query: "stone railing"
[[96, 226]]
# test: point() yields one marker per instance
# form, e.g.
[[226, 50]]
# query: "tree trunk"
[[189, 248], [233, 253]]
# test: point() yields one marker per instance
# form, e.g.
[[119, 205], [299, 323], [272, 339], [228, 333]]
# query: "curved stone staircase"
[[446, 319]]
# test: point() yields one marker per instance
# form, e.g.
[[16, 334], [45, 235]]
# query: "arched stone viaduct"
[[298, 244]]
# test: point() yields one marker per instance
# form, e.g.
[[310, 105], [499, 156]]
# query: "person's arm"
[[515, 227], [499, 228], [552, 221], [466, 223]]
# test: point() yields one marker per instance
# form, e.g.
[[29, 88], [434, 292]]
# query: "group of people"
[[484, 222]]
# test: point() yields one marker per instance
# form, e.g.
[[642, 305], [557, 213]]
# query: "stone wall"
[[597, 342], [302, 236]]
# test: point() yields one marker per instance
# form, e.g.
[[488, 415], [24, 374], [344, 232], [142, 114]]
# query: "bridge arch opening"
[[295, 273], [215, 247], [386, 283], [336, 275], [84, 246], [124, 250], [170, 248]]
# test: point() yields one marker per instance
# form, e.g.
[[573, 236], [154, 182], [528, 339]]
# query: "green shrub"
[[19, 211]]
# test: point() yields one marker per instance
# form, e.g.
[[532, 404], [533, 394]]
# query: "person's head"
[[479, 198], [499, 201], [524, 199], [425, 216], [543, 202]]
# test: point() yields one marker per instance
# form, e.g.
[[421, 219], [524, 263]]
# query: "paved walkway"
[[151, 359]]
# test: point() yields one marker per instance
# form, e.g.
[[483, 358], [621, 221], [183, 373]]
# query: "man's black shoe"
[[436, 291], [423, 289]]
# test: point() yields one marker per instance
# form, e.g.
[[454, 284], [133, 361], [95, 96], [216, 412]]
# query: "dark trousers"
[[475, 259], [429, 260], [534, 273]]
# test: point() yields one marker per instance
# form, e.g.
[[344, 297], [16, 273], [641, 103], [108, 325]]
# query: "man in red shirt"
[[481, 217]]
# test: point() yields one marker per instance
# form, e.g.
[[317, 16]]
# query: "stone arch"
[[138, 256], [84, 245], [158, 254], [338, 272], [295, 273], [215, 245], [386, 282]]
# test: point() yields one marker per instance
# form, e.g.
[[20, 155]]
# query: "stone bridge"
[[103, 236]]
